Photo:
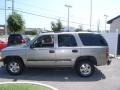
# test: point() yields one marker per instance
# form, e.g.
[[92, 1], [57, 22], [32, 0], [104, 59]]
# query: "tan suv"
[[81, 51]]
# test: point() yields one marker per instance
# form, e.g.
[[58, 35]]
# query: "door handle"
[[74, 51], [51, 51]]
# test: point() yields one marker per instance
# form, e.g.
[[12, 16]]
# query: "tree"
[[56, 27], [15, 23]]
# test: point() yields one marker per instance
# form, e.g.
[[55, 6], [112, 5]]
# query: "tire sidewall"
[[20, 65], [85, 62]]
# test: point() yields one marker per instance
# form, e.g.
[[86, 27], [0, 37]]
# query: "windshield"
[[31, 41]]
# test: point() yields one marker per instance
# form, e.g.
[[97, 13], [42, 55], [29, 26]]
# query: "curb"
[[29, 83]]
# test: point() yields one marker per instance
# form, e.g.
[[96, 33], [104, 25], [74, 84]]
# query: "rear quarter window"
[[93, 40]]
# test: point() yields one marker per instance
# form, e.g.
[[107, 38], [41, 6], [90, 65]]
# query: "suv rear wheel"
[[85, 68], [14, 67]]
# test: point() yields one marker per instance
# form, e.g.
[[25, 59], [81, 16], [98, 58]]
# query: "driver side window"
[[44, 41]]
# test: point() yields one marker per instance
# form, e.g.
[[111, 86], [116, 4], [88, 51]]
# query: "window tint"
[[66, 40], [44, 41], [14, 39], [93, 40], [16, 36]]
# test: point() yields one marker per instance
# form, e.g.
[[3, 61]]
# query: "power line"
[[33, 14], [48, 10], [34, 6], [49, 17], [45, 16], [39, 12], [36, 14], [53, 18]]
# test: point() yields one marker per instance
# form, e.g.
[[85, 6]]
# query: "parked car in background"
[[3, 44], [15, 39]]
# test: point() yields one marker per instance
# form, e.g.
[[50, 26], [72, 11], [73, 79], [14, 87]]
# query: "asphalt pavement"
[[104, 78]]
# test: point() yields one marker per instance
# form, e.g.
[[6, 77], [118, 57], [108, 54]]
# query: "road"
[[104, 78]]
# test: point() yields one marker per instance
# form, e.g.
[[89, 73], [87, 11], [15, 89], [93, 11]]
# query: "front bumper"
[[109, 62]]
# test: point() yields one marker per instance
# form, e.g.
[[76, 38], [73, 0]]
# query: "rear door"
[[66, 50]]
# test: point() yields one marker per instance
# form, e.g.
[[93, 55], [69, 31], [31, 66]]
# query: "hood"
[[15, 47]]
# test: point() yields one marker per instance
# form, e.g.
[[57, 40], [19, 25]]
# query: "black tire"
[[14, 70], [85, 68]]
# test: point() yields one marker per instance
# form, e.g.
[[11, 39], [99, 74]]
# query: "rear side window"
[[93, 40], [66, 40], [15, 37]]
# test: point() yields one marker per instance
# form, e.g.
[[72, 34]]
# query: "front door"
[[42, 52]]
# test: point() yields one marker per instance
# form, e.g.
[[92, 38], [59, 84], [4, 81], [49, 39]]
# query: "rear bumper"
[[109, 62], [0, 58]]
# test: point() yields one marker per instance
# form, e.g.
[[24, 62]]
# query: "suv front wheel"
[[85, 68], [14, 67]]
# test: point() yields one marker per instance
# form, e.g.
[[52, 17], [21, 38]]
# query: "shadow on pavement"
[[66, 75]]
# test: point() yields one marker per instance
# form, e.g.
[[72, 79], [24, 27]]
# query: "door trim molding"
[[49, 60]]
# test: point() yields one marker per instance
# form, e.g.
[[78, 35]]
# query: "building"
[[113, 40], [65, 29], [35, 30], [2, 29], [114, 24]]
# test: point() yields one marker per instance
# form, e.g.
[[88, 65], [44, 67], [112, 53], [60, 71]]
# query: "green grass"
[[22, 87]]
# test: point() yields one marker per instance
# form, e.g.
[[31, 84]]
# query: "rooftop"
[[110, 21]]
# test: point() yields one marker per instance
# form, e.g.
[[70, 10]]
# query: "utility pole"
[[12, 6], [5, 20], [68, 6], [98, 25], [90, 14], [105, 21]]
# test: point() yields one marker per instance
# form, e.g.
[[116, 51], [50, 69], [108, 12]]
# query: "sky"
[[40, 13]]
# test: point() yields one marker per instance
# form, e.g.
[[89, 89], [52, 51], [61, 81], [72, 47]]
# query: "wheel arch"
[[8, 58], [91, 59]]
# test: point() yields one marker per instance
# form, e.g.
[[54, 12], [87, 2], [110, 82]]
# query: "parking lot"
[[104, 78]]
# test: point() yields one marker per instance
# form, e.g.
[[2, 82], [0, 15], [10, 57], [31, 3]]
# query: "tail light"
[[107, 53], [23, 41]]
